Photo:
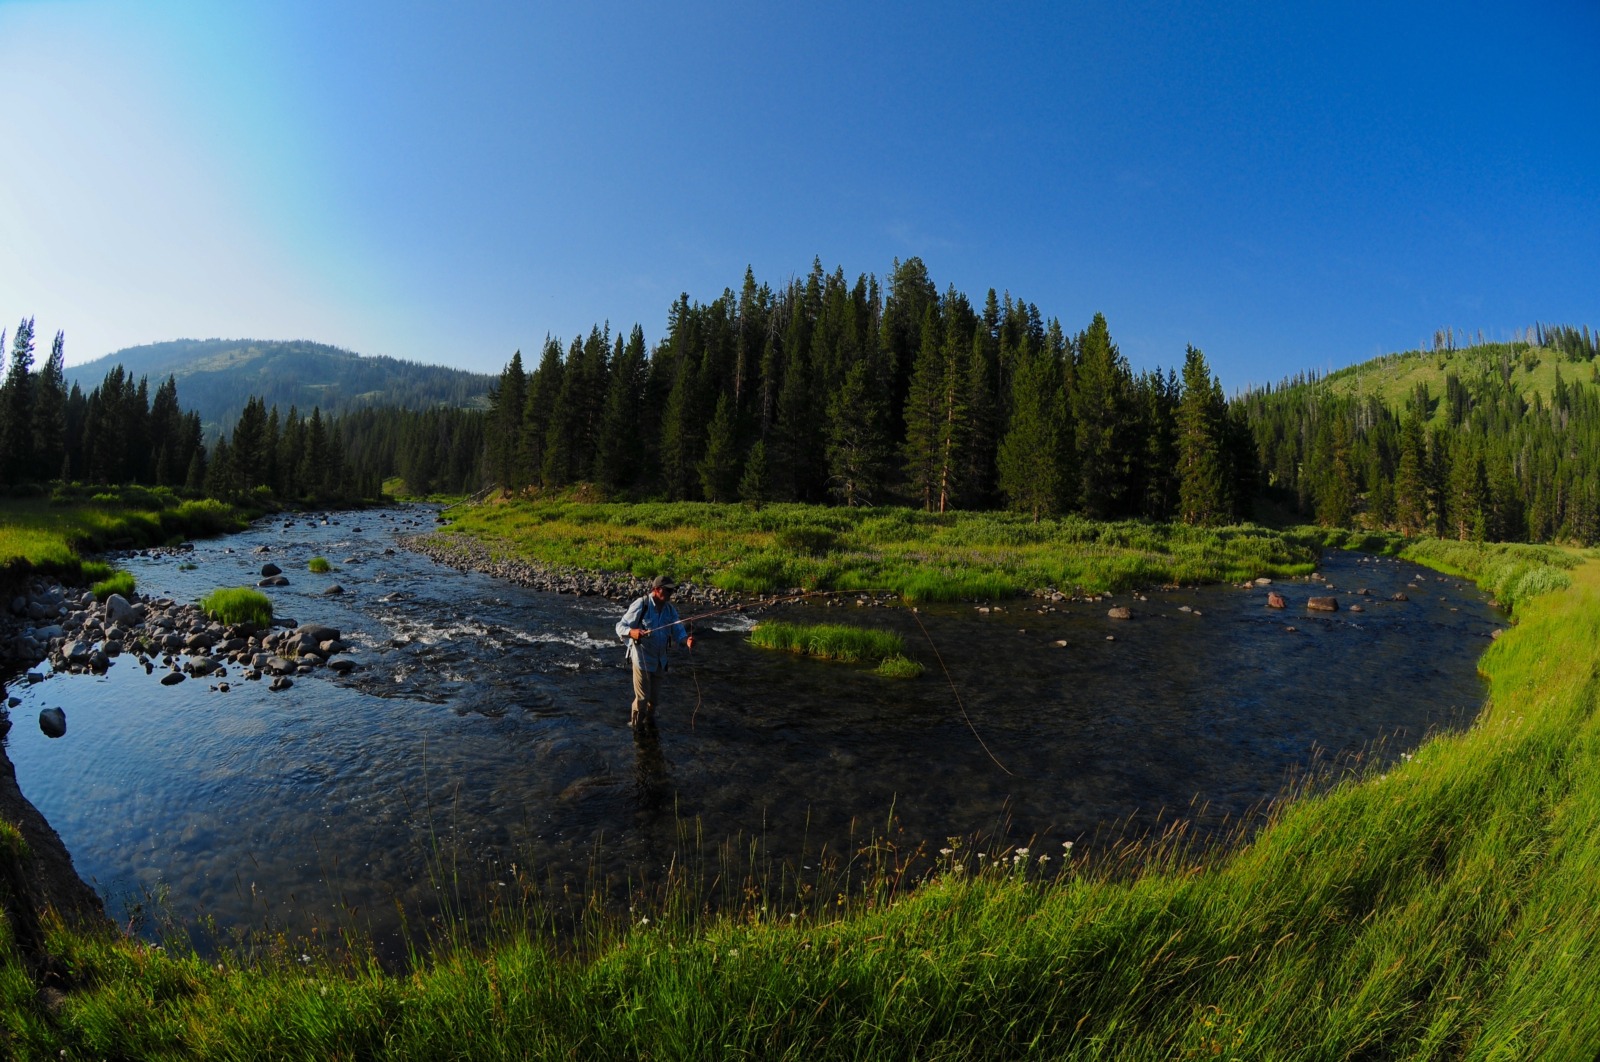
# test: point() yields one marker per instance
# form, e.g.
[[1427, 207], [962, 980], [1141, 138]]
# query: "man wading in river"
[[651, 626]]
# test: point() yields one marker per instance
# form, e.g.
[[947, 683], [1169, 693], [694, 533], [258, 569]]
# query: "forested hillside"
[[831, 390], [218, 375], [1496, 441]]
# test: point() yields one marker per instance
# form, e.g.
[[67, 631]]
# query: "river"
[[487, 729]]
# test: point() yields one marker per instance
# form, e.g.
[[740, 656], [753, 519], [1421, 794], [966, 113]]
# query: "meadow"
[[921, 556], [51, 534], [1438, 907]]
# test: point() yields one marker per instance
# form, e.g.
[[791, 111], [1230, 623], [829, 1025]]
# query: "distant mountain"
[[216, 376]]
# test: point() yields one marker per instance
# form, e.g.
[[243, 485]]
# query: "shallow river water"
[[489, 723]]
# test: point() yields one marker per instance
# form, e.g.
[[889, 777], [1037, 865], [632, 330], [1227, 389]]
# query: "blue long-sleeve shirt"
[[665, 629]]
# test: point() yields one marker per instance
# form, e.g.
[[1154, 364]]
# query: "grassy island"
[[1442, 908], [922, 556]]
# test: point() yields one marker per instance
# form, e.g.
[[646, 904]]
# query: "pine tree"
[[719, 468], [50, 410], [753, 483], [857, 447], [18, 462], [1099, 414], [1029, 469], [924, 451], [1203, 479], [507, 400]]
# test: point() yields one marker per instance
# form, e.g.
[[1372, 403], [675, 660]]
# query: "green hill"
[[1528, 368], [216, 376]]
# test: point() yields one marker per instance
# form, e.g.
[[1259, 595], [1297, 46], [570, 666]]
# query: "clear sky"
[[1284, 185]]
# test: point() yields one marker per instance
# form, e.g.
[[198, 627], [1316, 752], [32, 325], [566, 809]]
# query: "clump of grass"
[[900, 667], [238, 605], [829, 641], [320, 565], [12, 843], [92, 571], [118, 582]]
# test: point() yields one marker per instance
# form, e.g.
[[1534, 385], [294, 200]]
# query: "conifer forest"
[[868, 392]]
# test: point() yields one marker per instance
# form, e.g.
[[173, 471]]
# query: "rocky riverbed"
[[76, 633]]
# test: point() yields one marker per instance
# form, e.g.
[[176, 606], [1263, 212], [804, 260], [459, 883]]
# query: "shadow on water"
[[487, 731]]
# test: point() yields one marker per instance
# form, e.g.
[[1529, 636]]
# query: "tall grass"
[[1438, 907], [829, 641], [238, 605], [50, 535], [923, 556], [118, 582]]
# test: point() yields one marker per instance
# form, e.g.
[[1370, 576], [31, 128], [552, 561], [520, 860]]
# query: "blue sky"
[[1286, 186]]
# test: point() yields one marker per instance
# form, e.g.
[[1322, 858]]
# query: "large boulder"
[[120, 611], [269, 569], [53, 721], [1322, 604]]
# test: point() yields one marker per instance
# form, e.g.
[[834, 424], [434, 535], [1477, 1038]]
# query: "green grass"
[[50, 535], [829, 641], [118, 582], [1392, 377], [899, 667], [320, 565], [238, 605], [1439, 906], [922, 556]]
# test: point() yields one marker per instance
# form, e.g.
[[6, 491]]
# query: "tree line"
[[830, 390], [1481, 460], [117, 433]]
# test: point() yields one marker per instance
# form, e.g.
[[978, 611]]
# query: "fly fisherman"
[[651, 626]]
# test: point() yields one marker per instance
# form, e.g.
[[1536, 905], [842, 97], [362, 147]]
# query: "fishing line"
[[956, 693]]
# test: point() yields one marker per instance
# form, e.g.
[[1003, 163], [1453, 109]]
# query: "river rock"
[[76, 652], [269, 569], [1263, 581], [1322, 604], [1400, 597], [281, 683], [53, 721], [200, 665], [279, 666], [317, 633], [172, 678], [333, 591], [200, 640], [1276, 600], [119, 611], [1119, 612]]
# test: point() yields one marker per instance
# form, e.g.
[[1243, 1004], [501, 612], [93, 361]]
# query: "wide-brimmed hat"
[[663, 582]]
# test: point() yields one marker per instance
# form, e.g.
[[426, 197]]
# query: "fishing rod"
[[791, 598]]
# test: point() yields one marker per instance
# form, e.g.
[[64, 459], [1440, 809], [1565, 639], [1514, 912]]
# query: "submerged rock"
[[53, 721], [1276, 600]]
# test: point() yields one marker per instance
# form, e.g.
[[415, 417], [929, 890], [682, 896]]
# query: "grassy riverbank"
[[50, 535], [924, 556], [1442, 909]]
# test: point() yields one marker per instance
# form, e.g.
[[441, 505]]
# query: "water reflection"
[[488, 726]]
